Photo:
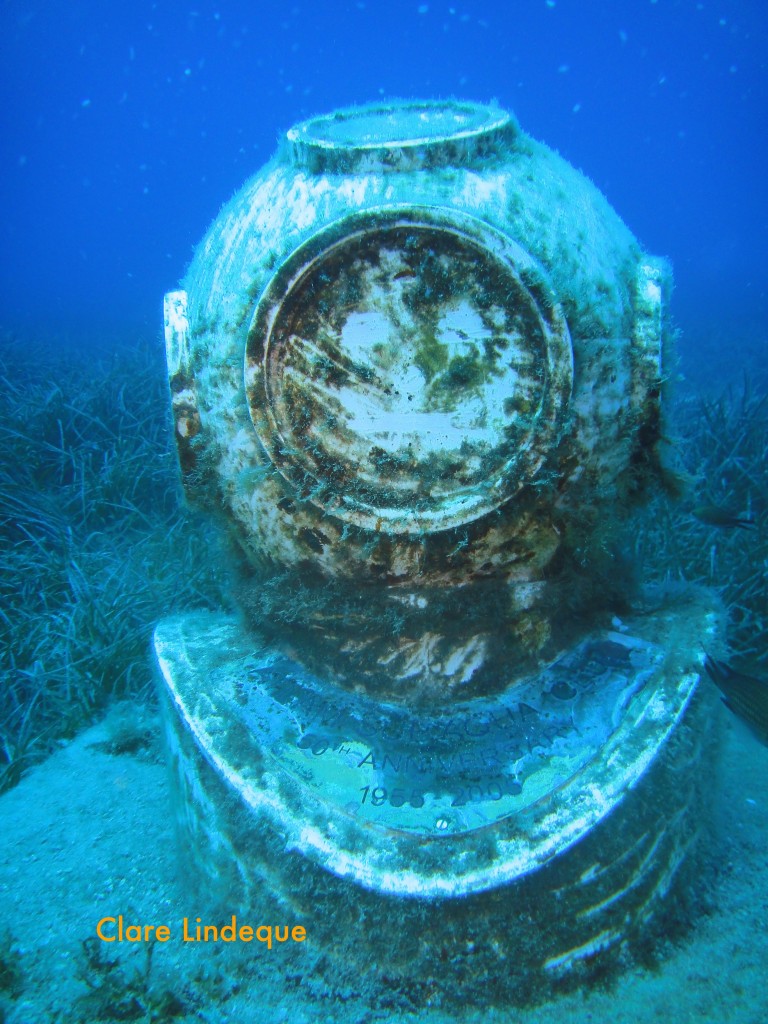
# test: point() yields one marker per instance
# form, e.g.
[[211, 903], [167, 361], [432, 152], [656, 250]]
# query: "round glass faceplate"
[[408, 371]]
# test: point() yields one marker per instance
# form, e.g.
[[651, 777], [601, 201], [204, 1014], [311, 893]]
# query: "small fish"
[[403, 274], [716, 515], [745, 696]]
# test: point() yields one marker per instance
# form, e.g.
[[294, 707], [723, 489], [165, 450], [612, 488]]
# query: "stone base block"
[[481, 852]]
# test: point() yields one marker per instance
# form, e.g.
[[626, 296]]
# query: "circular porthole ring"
[[342, 483]]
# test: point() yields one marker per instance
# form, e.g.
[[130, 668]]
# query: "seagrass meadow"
[[97, 543], [719, 441]]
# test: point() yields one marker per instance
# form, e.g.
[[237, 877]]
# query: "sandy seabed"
[[88, 834]]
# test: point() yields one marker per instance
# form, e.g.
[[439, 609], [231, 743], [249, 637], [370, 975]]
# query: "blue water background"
[[128, 124]]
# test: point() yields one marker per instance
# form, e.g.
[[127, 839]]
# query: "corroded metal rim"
[[408, 369], [207, 664], [400, 135]]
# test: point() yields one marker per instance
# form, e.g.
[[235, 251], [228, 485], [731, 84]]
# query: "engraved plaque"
[[463, 769]]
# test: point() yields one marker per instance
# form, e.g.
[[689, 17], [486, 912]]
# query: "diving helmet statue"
[[415, 371]]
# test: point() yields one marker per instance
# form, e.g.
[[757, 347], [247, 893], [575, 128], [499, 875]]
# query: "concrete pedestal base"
[[481, 852]]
